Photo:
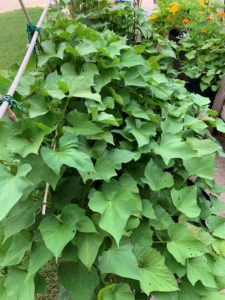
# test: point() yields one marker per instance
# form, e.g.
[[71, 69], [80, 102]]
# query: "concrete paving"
[[148, 4], [9, 5]]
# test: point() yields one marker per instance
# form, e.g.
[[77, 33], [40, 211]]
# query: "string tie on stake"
[[31, 28], [12, 103]]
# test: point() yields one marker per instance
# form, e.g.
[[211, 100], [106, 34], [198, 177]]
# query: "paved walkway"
[[9, 5]]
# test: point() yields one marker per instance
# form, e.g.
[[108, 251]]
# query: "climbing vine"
[[131, 206]]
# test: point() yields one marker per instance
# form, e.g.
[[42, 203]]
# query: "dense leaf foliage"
[[128, 157], [199, 27]]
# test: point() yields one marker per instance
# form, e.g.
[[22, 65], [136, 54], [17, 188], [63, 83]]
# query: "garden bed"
[[122, 154]]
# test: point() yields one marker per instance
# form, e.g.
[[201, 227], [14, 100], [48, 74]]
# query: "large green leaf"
[[156, 178], [162, 218], [17, 285], [201, 166], [115, 204], [13, 184], [26, 138], [50, 51], [82, 125], [88, 245], [203, 147], [57, 235], [142, 236], [198, 269], [104, 78], [105, 169], [130, 59], [52, 86], [215, 295], [40, 171], [25, 85], [120, 261], [57, 232], [141, 131], [187, 291], [134, 78], [120, 291], [38, 106], [114, 48], [67, 155], [182, 244], [20, 217], [18, 245], [154, 275], [86, 47], [3, 293], [73, 213], [216, 225], [121, 156], [78, 281], [40, 255], [80, 87], [195, 124], [4, 84], [172, 146], [185, 200]]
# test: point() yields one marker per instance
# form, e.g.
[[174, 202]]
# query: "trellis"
[[7, 100]]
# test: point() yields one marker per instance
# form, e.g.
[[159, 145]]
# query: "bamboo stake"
[[27, 16], [25, 11], [4, 107], [47, 187], [44, 204]]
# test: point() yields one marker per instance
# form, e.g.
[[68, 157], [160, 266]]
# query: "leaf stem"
[[47, 186]]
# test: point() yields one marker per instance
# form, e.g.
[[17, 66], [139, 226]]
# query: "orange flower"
[[204, 30], [174, 7], [154, 17], [222, 14], [185, 21], [202, 3]]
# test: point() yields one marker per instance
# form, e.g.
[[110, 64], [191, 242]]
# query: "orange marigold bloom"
[[185, 21], [202, 3], [154, 17], [174, 7], [204, 30], [222, 14]]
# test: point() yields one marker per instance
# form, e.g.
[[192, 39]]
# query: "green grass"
[[13, 36]]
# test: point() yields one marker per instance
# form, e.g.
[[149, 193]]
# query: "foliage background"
[[128, 156]]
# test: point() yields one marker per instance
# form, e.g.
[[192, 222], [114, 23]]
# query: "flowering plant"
[[196, 17], [199, 25]]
